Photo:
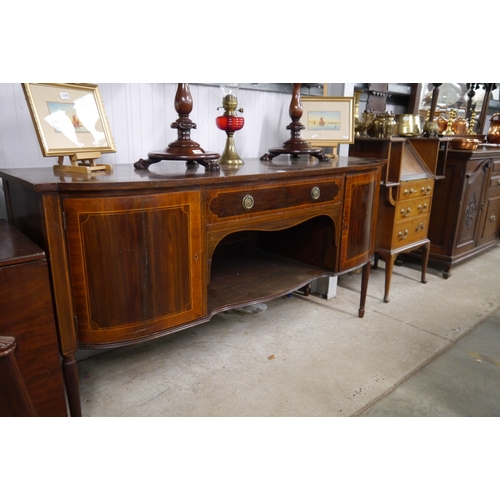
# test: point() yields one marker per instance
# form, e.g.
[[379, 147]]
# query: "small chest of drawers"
[[406, 194]]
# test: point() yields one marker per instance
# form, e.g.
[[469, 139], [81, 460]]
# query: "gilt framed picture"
[[328, 121], [69, 118]]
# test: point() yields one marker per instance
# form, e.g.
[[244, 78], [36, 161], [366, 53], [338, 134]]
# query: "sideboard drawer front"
[[226, 203], [411, 231], [413, 208], [416, 189]]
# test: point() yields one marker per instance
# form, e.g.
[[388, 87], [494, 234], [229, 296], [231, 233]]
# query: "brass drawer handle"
[[426, 190], [406, 213], [248, 202], [493, 218], [315, 193], [403, 235], [420, 227], [410, 191], [423, 207]]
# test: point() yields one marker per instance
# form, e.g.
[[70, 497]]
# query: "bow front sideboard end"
[[137, 254]]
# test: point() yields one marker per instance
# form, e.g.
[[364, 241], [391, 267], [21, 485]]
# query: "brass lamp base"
[[230, 156]]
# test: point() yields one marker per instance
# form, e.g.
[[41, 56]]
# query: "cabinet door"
[[359, 219], [473, 207], [491, 224], [135, 264]]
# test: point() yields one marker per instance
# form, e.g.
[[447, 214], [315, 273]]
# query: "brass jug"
[[389, 125], [494, 130], [377, 129]]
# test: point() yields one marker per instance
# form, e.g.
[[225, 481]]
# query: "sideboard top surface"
[[175, 174]]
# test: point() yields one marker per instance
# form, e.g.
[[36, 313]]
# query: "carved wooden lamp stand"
[[295, 146], [183, 149]]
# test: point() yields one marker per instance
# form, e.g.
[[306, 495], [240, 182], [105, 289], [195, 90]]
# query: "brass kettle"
[[494, 130]]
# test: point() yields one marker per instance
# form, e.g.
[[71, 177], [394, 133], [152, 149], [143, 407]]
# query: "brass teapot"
[[494, 130]]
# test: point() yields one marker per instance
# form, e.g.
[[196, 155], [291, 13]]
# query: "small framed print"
[[328, 121], [69, 118]]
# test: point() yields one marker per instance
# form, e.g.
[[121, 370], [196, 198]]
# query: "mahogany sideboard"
[[465, 217], [137, 254], [32, 371]]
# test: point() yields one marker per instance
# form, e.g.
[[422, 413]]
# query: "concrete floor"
[[305, 356]]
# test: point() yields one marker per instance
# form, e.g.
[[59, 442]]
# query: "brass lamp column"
[[230, 123]]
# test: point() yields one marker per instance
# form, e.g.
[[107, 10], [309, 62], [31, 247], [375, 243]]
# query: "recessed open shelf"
[[256, 276]]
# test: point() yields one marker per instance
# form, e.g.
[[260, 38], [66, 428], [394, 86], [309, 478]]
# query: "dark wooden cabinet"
[[465, 218], [27, 318], [137, 254]]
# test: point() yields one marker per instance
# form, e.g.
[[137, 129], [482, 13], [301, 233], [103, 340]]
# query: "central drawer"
[[241, 202], [412, 208]]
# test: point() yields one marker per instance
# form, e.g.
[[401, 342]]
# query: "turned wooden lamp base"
[[183, 149], [208, 160], [295, 146]]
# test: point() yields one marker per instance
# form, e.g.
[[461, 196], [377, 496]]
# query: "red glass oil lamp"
[[230, 123]]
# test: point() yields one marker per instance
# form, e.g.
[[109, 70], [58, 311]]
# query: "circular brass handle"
[[426, 190], [420, 227], [315, 193], [248, 202], [410, 191], [493, 218], [422, 207], [403, 235], [406, 213]]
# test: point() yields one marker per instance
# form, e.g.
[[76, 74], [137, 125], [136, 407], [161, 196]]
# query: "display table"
[[137, 254]]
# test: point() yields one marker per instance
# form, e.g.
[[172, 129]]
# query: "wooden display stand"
[[81, 163]]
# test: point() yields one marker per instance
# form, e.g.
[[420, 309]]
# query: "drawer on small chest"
[[416, 188], [410, 230], [413, 208]]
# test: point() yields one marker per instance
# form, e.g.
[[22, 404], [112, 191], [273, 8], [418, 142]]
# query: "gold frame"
[[342, 107], [69, 119]]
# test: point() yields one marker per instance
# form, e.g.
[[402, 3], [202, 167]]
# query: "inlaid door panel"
[[135, 263]]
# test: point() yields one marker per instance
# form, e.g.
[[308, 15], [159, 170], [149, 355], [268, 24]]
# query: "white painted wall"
[[140, 115]]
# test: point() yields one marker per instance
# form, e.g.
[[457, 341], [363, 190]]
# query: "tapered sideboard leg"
[[364, 288], [70, 372]]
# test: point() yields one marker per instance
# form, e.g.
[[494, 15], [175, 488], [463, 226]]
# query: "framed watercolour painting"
[[328, 121], [69, 119]]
